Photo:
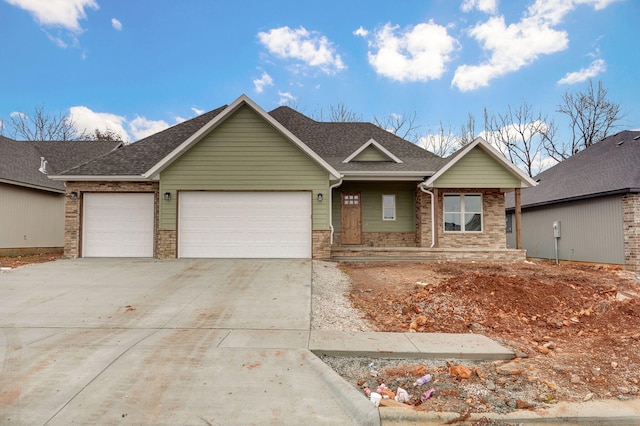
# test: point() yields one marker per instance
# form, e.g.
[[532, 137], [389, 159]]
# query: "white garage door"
[[244, 224], [117, 225]]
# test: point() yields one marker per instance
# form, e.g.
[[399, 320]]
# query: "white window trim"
[[394, 207], [463, 212]]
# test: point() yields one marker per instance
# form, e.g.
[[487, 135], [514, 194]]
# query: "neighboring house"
[[594, 198], [32, 205], [240, 182]]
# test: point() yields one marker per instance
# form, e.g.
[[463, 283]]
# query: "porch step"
[[420, 254]]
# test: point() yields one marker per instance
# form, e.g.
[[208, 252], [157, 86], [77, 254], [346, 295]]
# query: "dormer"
[[372, 151]]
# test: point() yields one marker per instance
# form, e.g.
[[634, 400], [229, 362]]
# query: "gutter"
[[433, 222]]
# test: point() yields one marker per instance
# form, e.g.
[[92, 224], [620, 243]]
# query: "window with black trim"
[[463, 212]]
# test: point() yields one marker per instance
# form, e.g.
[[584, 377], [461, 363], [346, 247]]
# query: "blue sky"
[[140, 66]]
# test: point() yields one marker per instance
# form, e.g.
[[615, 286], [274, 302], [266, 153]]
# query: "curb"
[[360, 409], [601, 412]]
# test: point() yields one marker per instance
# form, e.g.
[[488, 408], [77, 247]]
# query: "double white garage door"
[[210, 225]]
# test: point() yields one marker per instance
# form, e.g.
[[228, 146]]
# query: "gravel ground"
[[331, 308]]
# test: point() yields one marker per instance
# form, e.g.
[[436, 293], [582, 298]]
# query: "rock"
[[510, 369], [490, 385], [575, 379], [543, 350], [588, 397], [460, 371], [420, 370], [520, 354], [614, 365], [522, 405], [623, 390]]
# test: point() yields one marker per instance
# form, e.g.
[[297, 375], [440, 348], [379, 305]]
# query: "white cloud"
[[57, 13], [116, 24], [262, 82], [597, 67], [517, 45], [285, 97], [141, 127], [197, 111], [88, 120], [486, 6], [361, 32], [310, 47], [418, 53]]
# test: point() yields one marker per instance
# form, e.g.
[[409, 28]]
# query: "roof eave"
[[387, 176], [579, 198], [32, 186], [129, 178]]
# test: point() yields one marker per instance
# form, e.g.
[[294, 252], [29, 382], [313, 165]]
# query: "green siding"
[[244, 153], [372, 205], [371, 153], [478, 169]]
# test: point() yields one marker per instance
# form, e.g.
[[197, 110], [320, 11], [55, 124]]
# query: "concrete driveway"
[[203, 342]]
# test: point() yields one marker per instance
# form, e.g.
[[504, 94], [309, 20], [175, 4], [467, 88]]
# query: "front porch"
[[423, 254]]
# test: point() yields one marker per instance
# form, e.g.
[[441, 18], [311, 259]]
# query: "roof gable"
[[372, 151], [220, 118], [491, 169]]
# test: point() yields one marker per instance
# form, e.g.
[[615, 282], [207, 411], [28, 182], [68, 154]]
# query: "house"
[[593, 198], [240, 182], [31, 205]]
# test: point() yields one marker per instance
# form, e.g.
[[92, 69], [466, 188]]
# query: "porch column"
[[518, 220], [436, 223]]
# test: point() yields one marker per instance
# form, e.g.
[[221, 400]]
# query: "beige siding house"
[[242, 182], [31, 205], [593, 198]]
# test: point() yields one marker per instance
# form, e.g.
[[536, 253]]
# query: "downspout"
[[433, 219], [331, 208]]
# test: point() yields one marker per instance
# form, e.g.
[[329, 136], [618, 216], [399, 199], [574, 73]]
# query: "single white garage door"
[[244, 224], [117, 225]]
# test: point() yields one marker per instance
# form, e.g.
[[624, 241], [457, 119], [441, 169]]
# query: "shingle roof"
[[20, 161], [609, 166], [336, 141], [136, 158]]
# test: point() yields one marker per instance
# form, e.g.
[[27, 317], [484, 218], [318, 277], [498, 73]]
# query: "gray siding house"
[[32, 205], [593, 198], [240, 182]]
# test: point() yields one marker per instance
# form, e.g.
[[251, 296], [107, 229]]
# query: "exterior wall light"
[[320, 196], [167, 196], [73, 195]]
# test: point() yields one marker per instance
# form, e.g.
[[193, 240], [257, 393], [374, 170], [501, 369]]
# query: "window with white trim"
[[388, 207], [463, 212]]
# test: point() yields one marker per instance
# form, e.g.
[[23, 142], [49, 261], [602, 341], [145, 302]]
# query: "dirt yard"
[[575, 329], [15, 261]]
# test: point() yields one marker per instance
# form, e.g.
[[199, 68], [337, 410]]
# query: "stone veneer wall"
[[493, 234], [631, 224], [167, 244], [423, 219], [381, 239], [73, 208], [321, 249]]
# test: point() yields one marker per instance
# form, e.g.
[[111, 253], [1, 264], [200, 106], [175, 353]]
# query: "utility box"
[[556, 229]]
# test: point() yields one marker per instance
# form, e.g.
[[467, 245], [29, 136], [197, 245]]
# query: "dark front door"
[[351, 218]]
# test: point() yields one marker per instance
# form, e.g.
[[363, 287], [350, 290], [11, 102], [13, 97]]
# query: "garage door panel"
[[245, 225], [117, 225]]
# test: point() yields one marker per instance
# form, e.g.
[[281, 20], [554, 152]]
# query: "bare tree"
[[468, 130], [591, 118], [442, 142], [104, 135], [520, 134], [42, 126], [338, 113], [401, 125]]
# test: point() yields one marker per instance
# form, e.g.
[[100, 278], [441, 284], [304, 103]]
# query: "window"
[[509, 224], [388, 207], [463, 213]]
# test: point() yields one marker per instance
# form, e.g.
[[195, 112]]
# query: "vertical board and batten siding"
[[245, 153], [591, 231], [477, 169], [372, 205], [30, 218]]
